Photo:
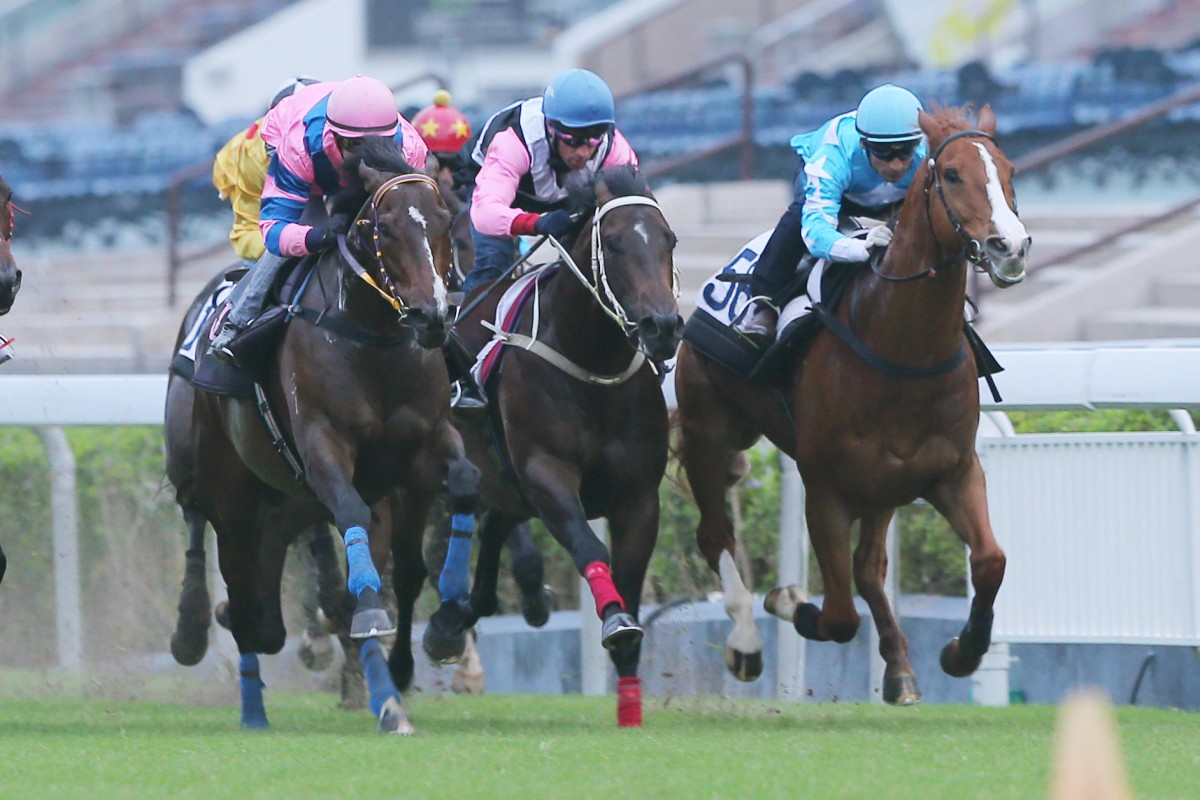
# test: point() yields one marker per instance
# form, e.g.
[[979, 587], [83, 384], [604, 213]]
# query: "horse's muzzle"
[[10, 284], [1005, 260], [660, 335], [430, 329]]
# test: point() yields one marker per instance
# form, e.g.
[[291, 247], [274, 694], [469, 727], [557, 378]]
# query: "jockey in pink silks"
[[308, 136]]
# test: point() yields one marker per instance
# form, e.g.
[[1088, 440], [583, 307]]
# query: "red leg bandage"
[[600, 580], [629, 702]]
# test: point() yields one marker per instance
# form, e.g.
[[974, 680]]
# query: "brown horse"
[[581, 419], [361, 398], [876, 419], [10, 281]]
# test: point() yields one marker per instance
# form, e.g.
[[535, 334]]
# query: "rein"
[[972, 250], [604, 296], [388, 291]]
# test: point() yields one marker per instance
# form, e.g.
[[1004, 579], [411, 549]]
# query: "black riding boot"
[[464, 394], [246, 302]]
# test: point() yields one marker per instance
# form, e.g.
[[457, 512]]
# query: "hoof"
[[370, 617], [901, 690], [468, 682], [445, 636], [394, 719], [536, 607], [255, 724], [620, 630], [316, 653], [782, 601], [746, 667], [221, 614], [189, 644], [955, 664]]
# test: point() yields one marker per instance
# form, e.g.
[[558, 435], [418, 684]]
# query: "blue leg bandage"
[[455, 581], [379, 679], [360, 568], [254, 714]]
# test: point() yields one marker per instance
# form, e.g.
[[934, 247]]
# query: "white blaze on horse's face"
[[439, 286], [1006, 250], [640, 229]]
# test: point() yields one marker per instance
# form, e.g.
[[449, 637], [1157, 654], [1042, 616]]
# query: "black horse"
[[580, 418], [361, 397], [10, 281]]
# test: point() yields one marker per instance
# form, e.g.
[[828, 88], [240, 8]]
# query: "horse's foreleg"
[[189, 641], [963, 503], [634, 527], [329, 460], [552, 485], [712, 466], [528, 571], [3, 564], [870, 572]]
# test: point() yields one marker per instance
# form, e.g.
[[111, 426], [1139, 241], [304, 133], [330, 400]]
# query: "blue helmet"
[[578, 99], [888, 113]]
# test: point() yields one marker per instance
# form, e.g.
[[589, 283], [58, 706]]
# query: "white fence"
[[1102, 530]]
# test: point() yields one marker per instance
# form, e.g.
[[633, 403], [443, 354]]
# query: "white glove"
[[879, 236]]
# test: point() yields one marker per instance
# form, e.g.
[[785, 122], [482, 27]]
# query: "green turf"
[[562, 747]]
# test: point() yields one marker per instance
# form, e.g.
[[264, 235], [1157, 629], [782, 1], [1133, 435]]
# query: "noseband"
[[972, 248], [369, 215]]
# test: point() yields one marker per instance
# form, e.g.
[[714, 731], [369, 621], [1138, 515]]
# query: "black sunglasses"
[[578, 137], [886, 151]]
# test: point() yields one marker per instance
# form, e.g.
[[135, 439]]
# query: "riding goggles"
[[886, 151], [579, 137]]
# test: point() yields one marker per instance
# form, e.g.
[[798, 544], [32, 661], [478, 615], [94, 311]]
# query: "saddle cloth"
[[209, 374], [507, 317]]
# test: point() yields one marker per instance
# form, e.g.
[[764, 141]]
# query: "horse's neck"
[[579, 328], [919, 320]]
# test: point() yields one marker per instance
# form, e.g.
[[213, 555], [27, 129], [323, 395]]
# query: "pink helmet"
[[362, 106]]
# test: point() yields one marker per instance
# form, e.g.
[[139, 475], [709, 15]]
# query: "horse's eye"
[[952, 176], [383, 229]]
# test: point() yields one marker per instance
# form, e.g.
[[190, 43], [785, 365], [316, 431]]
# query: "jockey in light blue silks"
[[858, 163]]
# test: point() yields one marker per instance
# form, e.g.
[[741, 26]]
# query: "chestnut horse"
[[10, 281], [361, 397], [580, 417], [877, 419]]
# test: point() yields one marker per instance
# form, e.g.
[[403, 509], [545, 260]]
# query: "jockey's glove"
[[554, 223], [849, 249], [324, 235], [879, 236]]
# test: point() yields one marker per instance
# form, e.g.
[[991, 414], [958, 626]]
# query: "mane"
[[939, 123], [377, 152], [623, 180]]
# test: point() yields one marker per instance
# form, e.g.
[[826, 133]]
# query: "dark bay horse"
[[581, 419], [361, 397], [10, 281], [869, 438]]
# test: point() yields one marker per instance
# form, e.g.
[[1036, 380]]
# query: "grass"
[[562, 747]]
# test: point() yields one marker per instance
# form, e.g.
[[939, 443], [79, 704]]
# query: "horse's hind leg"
[[316, 645], [3, 564], [189, 641], [963, 503], [712, 466], [528, 571], [870, 571]]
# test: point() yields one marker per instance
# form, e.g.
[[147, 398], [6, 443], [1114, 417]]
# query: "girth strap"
[[883, 365], [278, 439]]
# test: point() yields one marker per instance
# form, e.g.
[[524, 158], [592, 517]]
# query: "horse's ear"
[[372, 178], [933, 131], [431, 166], [986, 121]]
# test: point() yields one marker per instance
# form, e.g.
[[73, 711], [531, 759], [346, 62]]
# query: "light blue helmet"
[[578, 99], [888, 113]]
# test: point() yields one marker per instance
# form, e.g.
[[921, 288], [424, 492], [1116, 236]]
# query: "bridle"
[[973, 250], [599, 286], [368, 215]]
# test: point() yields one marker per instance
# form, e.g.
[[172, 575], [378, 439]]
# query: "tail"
[[675, 474]]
